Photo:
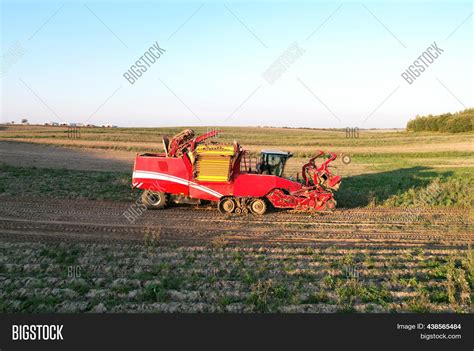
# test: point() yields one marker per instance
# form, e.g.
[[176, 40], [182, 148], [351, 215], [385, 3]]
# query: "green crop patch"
[[61, 183]]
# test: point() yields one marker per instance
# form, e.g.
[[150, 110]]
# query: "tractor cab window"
[[273, 163]]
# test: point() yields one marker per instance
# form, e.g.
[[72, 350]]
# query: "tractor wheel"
[[258, 206], [154, 200], [226, 205]]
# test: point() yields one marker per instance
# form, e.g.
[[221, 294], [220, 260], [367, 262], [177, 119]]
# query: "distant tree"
[[24, 121], [458, 122]]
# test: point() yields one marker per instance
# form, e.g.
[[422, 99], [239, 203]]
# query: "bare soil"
[[58, 219], [45, 156], [188, 259]]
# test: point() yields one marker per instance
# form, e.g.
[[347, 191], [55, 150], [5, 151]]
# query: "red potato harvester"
[[195, 170]]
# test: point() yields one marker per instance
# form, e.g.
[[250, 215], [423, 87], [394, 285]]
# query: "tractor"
[[194, 169]]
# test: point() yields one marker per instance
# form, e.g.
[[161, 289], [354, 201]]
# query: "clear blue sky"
[[211, 73]]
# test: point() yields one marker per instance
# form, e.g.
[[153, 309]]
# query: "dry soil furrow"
[[60, 219]]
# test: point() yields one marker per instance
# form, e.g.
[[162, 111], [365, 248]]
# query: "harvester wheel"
[[226, 205], [258, 206], [154, 200]]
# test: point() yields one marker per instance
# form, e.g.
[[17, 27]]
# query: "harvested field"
[[137, 278], [66, 244], [76, 256], [97, 221], [45, 156]]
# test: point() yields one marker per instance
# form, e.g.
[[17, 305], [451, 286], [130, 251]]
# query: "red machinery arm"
[[186, 139], [207, 135], [321, 176]]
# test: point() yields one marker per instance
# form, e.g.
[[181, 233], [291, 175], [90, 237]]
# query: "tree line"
[[448, 122]]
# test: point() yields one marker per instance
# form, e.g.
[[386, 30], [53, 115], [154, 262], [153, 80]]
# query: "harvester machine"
[[194, 169]]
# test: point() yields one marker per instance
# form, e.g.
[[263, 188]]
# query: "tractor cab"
[[273, 162]]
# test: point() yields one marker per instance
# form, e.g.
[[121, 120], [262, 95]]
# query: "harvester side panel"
[[164, 174], [212, 191]]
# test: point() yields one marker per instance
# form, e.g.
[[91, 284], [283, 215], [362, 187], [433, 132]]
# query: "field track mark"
[[62, 219]]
